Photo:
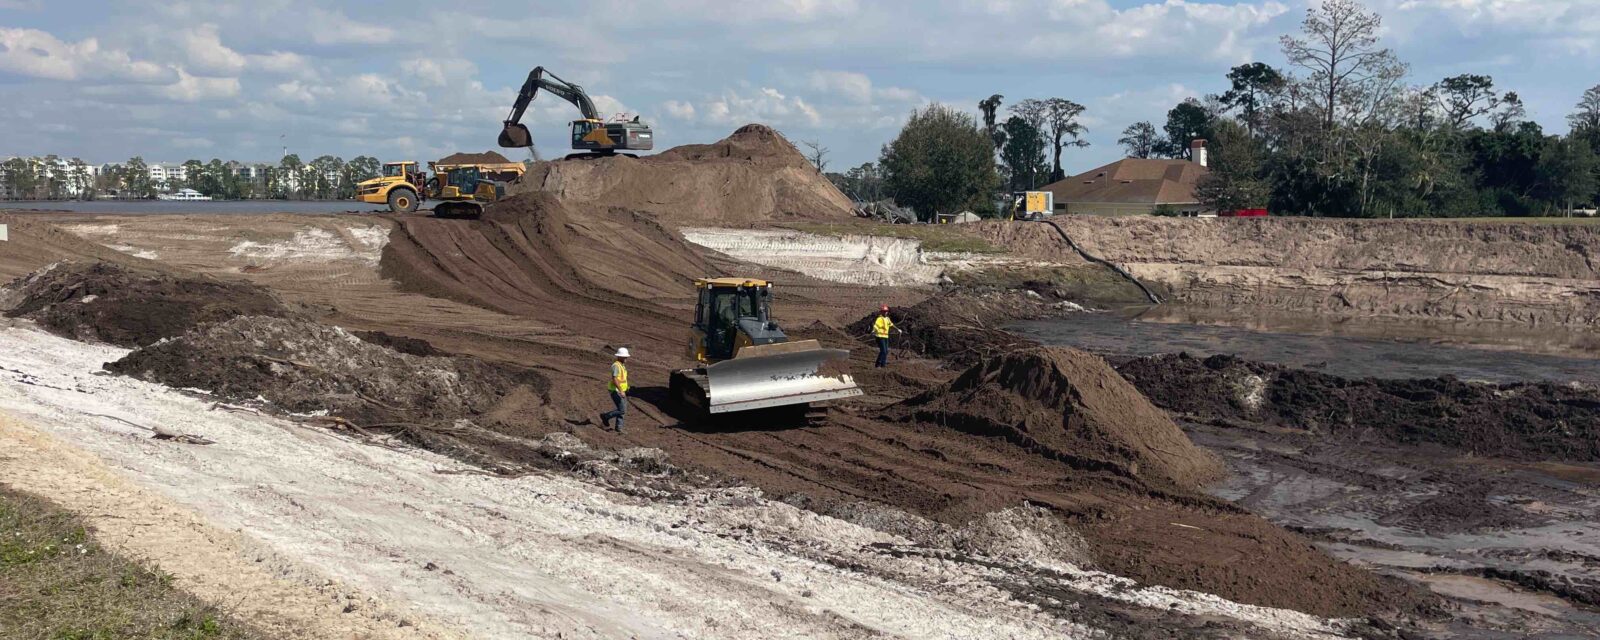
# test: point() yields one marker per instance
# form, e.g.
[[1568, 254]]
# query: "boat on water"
[[184, 195]]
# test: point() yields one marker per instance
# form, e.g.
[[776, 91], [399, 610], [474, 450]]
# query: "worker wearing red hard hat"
[[880, 330]]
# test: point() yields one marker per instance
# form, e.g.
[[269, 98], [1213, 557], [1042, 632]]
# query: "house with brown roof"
[[1133, 186]]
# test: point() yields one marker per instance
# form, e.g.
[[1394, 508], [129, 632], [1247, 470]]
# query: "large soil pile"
[[304, 367], [1069, 406], [958, 326], [487, 157], [107, 302], [752, 176], [1517, 421]]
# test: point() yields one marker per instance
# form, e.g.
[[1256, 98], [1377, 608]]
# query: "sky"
[[175, 80]]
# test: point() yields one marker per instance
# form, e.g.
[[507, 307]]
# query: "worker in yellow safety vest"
[[880, 330], [619, 390]]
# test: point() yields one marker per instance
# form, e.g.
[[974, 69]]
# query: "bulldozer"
[[746, 361], [460, 188], [590, 134]]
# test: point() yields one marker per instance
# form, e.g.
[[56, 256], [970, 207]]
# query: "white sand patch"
[[93, 229], [135, 251], [866, 260], [550, 555], [318, 245]]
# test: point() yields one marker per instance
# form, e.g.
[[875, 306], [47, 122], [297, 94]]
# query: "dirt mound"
[[1539, 421], [305, 367], [107, 302], [752, 176], [37, 243], [487, 157], [1069, 406]]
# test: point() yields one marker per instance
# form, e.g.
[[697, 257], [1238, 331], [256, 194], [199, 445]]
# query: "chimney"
[[1197, 151]]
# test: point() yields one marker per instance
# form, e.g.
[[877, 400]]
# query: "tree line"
[[1342, 131], [1338, 130], [325, 177]]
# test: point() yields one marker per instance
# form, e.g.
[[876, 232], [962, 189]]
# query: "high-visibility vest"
[[619, 374], [881, 326]]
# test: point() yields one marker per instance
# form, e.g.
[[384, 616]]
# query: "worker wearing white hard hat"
[[618, 389]]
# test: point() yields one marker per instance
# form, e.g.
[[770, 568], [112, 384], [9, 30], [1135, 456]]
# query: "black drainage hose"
[[1154, 299]]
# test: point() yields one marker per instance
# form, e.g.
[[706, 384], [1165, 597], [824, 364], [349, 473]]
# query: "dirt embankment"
[[107, 302], [752, 176], [616, 278], [1364, 268], [1534, 422]]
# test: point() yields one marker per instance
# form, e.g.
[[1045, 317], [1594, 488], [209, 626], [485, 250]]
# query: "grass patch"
[[56, 583], [1552, 221], [934, 237], [1086, 284]]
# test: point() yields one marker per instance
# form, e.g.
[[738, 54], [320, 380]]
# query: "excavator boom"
[[589, 133]]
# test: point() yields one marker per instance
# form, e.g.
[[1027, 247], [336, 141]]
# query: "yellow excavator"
[[591, 135], [746, 361]]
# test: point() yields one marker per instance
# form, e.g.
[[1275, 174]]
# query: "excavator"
[[590, 134], [746, 361]]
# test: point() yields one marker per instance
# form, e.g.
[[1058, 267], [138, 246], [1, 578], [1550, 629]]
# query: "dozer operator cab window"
[[720, 310]]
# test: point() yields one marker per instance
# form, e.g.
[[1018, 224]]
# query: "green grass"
[[934, 237], [1563, 221], [57, 583]]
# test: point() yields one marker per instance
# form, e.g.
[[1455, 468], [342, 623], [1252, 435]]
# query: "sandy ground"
[[491, 557]]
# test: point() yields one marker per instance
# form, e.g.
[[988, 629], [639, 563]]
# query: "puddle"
[[1347, 353]]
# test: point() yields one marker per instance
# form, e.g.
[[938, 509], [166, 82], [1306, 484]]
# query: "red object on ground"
[[1244, 213]]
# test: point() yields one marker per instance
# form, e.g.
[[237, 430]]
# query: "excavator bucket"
[[775, 375], [515, 136]]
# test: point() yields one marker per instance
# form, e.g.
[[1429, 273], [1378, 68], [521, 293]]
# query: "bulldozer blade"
[[778, 375]]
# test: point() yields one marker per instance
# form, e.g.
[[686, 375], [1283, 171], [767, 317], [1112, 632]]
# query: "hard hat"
[[622, 353], [884, 308]]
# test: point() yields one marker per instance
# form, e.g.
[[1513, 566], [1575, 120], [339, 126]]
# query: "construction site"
[[389, 425]]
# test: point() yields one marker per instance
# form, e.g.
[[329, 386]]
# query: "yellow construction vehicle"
[[462, 190], [404, 187], [746, 360], [400, 187]]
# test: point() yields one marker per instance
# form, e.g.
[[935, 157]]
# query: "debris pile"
[[1069, 406], [106, 302], [304, 367], [752, 176], [1524, 421]]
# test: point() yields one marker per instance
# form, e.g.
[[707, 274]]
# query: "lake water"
[[1350, 349], [208, 207]]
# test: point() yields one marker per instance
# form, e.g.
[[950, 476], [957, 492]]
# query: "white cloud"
[[678, 109], [333, 27], [853, 86], [39, 54], [191, 88], [281, 63], [205, 53]]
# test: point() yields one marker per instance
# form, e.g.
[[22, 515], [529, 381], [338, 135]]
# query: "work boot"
[[604, 421]]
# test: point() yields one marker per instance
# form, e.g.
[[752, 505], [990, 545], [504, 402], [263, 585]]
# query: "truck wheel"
[[402, 201]]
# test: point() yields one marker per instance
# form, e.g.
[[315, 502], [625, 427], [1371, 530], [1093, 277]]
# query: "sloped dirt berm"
[[752, 176]]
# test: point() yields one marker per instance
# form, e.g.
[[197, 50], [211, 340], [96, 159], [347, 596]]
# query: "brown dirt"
[[301, 366], [610, 277], [36, 243], [1533, 422], [107, 302], [487, 157], [752, 176], [1069, 406], [959, 326]]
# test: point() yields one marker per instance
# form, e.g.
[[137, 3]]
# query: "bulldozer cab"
[[732, 313]]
